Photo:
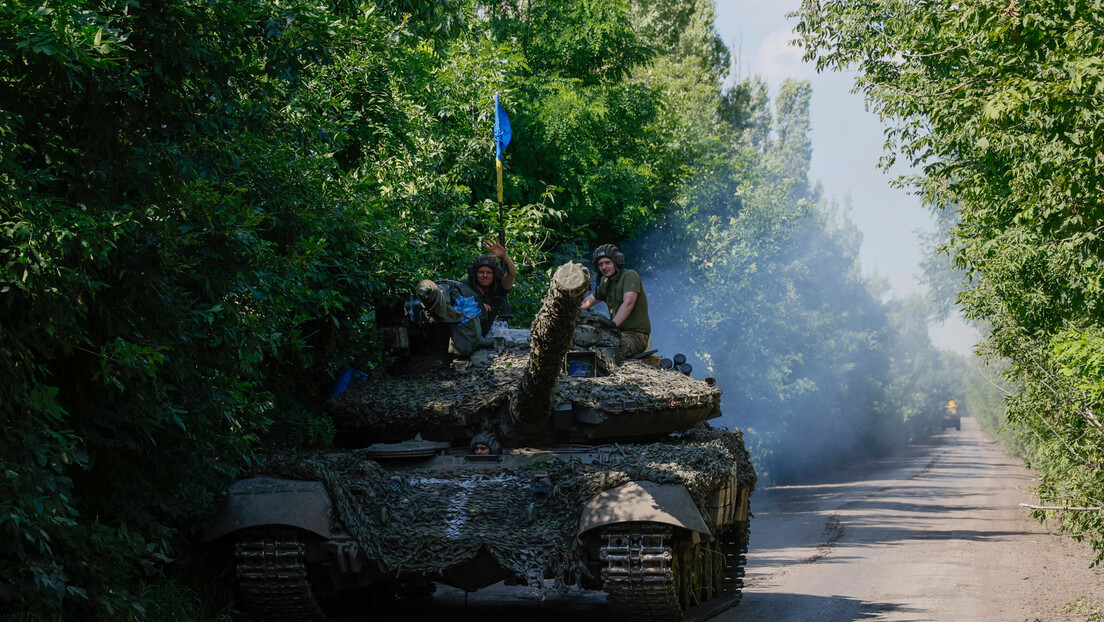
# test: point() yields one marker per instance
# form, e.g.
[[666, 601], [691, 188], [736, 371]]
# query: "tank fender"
[[259, 501], [669, 504]]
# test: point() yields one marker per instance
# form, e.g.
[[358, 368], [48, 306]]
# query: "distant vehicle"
[[951, 417]]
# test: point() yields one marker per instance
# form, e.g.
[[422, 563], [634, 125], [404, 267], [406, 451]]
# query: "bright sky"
[[847, 142]]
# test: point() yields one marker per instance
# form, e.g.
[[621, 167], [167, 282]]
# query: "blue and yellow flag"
[[502, 134]]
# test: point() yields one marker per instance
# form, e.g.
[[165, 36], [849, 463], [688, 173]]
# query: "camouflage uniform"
[[467, 332]]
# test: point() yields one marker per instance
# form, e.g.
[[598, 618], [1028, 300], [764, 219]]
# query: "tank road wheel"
[[691, 574], [716, 571], [651, 575], [271, 575]]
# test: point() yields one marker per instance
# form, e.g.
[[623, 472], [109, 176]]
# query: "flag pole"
[[501, 215], [498, 171], [502, 136]]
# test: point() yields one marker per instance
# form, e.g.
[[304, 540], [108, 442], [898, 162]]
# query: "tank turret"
[[561, 381]]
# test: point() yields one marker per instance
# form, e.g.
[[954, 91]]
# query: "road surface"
[[937, 534]]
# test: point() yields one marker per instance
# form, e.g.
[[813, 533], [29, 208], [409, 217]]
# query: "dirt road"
[[935, 535]]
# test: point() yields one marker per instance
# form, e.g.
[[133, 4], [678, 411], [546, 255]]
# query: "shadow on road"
[[785, 606], [501, 603], [923, 485]]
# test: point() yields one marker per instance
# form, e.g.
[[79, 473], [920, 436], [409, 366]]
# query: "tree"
[[763, 285], [203, 204], [998, 103]]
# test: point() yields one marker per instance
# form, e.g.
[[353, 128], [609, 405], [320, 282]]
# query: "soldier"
[[490, 282], [623, 292], [485, 444], [469, 307]]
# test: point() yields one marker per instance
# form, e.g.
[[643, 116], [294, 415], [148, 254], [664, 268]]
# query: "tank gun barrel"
[[550, 339]]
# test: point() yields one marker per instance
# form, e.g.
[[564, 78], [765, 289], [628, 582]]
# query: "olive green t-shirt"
[[612, 292]]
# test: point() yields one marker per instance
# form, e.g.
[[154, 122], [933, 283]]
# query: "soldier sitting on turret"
[[623, 292], [490, 282], [469, 307]]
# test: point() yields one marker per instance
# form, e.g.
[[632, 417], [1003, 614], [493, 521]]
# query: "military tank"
[[545, 462]]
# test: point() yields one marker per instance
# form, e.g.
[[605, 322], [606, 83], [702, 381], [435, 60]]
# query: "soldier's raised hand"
[[494, 248]]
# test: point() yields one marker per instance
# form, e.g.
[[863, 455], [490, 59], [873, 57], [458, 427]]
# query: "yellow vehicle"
[[951, 418]]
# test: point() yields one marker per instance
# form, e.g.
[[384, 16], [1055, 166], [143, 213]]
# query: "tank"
[[545, 462]]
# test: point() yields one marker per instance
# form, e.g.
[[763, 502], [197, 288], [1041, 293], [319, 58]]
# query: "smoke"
[[758, 282], [799, 342]]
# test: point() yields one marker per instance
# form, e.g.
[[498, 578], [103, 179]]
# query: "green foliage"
[[589, 41], [195, 232], [1093, 609], [760, 280], [986, 390], [999, 105], [938, 269], [921, 380], [203, 206]]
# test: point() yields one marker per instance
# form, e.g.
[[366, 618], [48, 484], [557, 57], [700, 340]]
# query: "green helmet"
[[609, 251], [486, 261], [488, 439]]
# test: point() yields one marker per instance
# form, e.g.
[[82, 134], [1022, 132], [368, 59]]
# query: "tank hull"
[[550, 518]]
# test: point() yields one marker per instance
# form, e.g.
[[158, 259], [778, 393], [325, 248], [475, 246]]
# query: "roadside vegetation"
[[204, 205], [997, 106]]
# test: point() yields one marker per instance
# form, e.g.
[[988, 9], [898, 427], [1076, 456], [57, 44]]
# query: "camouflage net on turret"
[[454, 398], [439, 518]]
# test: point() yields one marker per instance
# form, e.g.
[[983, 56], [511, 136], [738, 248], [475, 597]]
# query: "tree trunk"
[[550, 339]]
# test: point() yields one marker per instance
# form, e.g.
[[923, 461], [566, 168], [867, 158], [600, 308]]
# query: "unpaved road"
[[936, 535]]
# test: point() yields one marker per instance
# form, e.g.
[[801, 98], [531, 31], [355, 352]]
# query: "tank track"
[[639, 576], [272, 577]]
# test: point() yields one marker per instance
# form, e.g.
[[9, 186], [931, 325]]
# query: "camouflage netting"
[[438, 518], [460, 397]]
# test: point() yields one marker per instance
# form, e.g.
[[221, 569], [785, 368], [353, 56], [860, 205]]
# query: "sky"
[[847, 143]]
